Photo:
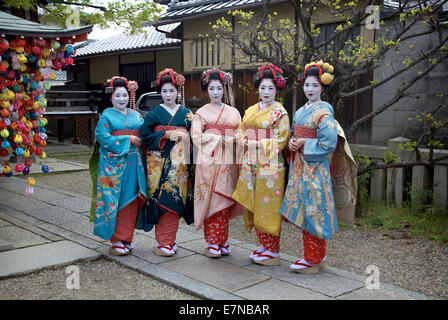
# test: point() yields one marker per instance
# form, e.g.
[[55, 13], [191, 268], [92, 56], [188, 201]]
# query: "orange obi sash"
[[168, 128], [257, 133], [126, 133], [305, 132], [222, 128]]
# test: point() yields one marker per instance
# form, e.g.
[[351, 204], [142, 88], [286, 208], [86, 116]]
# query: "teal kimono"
[[169, 165], [117, 169], [308, 202]]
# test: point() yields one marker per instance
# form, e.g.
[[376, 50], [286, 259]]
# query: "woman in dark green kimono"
[[165, 134]]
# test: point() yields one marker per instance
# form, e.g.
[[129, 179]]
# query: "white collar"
[[173, 110]]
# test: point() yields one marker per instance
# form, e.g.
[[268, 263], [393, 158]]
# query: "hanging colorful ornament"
[[29, 190]]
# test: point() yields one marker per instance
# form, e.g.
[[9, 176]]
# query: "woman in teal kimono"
[[165, 134], [309, 200], [117, 169]]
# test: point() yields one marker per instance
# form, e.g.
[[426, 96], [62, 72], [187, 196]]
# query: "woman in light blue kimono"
[[308, 202], [117, 169]]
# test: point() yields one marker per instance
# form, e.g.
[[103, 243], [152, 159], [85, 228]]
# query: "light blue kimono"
[[308, 202], [121, 175]]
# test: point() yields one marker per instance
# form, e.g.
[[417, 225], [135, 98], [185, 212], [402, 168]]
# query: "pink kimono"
[[216, 170]]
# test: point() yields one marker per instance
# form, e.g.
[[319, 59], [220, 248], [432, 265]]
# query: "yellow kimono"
[[261, 181]]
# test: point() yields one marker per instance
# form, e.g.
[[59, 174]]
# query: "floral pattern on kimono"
[[309, 202], [117, 168], [216, 169], [261, 182], [169, 166]]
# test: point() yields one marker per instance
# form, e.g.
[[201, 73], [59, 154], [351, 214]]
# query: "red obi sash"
[[257, 133], [222, 128], [305, 132], [126, 133], [168, 128]]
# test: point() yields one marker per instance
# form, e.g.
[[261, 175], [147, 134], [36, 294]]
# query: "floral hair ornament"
[[279, 79], [131, 86], [226, 77], [325, 71]]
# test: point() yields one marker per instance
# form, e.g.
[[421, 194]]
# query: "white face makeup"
[[312, 89], [120, 98], [169, 94], [267, 91], [215, 92]]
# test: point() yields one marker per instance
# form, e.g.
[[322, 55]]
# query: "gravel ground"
[[408, 262], [99, 280]]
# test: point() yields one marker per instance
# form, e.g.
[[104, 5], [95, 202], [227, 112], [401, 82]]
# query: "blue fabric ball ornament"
[[32, 58], [34, 85], [45, 168], [19, 151], [5, 144]]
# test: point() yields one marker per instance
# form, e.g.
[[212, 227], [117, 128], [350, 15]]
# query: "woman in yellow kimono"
[[261, 181]]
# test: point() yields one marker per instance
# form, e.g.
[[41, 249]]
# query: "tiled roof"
[[13, 25], [125, 42], [178, 10]]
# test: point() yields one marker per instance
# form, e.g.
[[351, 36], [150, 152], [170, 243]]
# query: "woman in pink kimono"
[[213, 131]]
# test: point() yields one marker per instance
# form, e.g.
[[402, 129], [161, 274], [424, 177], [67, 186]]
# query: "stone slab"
[[374, 294], [238, 256], [323, 282], [20, 237], [214, 272], [5, 245], [94, 243], [30, 227], [4, 223], [74, 204], [19, 201], [30, 259], [274, 289], [54, 215], [83, 227], [170, 277], [144, 246]]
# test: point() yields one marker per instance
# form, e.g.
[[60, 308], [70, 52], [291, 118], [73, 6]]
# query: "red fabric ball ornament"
[[21, 42], [38, 151], [18, 167], [36, 140], [36, 50]]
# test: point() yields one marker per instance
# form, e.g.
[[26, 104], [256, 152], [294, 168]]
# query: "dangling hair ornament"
[[325, 71], [132, 87], [277, 73], [177, 80]]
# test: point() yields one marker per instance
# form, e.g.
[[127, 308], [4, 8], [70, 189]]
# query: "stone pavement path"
[[51, 227]]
